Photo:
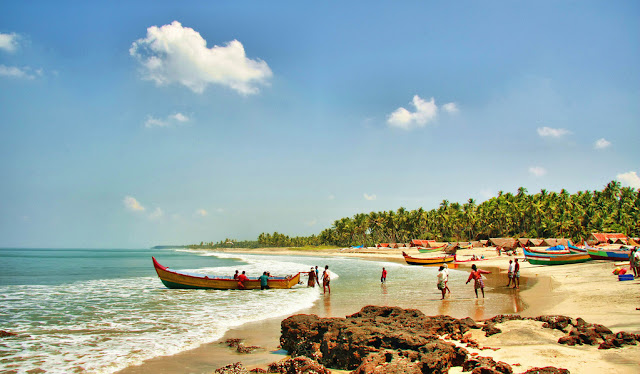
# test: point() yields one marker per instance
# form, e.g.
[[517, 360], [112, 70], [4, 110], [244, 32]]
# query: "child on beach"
[[510, 273], [476, 275], [383, 278]]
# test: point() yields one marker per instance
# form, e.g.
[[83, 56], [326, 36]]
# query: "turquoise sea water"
[[101, 310]]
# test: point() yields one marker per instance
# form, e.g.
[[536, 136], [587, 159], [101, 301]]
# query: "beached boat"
[[466, 246], [182, 279], [434, 249], [427, 260], [556, 250], [608, 254], [561, 259], [457, 260]]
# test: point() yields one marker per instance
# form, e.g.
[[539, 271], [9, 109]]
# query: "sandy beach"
[[588, 290]]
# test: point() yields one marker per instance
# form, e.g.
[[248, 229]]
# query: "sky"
[[133, 124]]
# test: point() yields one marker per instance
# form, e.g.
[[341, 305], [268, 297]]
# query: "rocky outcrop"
[[346, 343], [6, 334], [239, 346], [298, 365]]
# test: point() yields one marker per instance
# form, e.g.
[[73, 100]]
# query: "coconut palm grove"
[[546, 214]]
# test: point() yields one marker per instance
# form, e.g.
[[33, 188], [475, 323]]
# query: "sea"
[[103, 310]]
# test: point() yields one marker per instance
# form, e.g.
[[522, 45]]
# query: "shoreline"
[[587, 290]]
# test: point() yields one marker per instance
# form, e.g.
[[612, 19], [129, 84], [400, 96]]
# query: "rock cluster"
[[239, 346]]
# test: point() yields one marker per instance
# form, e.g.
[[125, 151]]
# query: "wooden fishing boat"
[[466, 246], [429, 250], [608, 254], [469, 260], [547, 251], [563, 259], [427, 260], [182, 279]]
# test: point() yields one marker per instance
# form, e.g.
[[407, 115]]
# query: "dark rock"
[[388, 362], [547, 370], [490, 329], [235, 368], [6, 334], [298, 365], [500, 318], [344, 343]]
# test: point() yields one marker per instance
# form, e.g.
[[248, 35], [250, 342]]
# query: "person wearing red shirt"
[[241, 279], [476, 275], [383, 278]]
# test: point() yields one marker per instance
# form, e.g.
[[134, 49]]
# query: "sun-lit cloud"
[[369, 197], [9, 42], [22, 73], [171, 120], [629, 179], [602, 143], [202, 212], [132, 204], [176, 54], [537, 171], [551, 132], [450, 108], [424, 113]]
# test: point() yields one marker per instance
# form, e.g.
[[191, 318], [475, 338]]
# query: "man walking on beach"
[[476, 275], [383, 278], [326, 279], [516, 275]]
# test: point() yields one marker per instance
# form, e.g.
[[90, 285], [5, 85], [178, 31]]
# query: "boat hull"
[[598, 254], [427, 261], [173, 279], [430, 250], [563, 259]]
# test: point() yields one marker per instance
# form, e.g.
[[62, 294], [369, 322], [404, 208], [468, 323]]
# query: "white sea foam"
[[102, 326]]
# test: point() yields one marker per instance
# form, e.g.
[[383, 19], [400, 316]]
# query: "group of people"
[[314, 278], [241, 278], [514, 274]]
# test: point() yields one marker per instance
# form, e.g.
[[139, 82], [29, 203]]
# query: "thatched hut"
[[609, 238], [551, 242], [507, 243]]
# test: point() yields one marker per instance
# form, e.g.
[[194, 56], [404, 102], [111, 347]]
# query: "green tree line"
[[542, 215]]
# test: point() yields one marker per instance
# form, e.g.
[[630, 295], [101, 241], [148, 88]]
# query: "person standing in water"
[[442, 286], [510, 273], [383, 278], [516, 274], [312, 278], [476, 275], [264, 281], [326, 279], [241, 279], [446, 278]]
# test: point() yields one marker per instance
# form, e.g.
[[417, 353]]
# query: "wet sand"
[[587, 290]]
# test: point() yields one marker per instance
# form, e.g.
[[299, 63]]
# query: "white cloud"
[[602, 143], [9, 42], [220, 210], [132, 204], [551, 132], [16, 72], [176, 54], [450, 108], [537, 171], [629, 179], [331, 197], [425, 111], [157, 213], [171, 120], [312, 222], [202, 212], [369, 197]]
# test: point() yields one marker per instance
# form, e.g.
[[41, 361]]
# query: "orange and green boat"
[[428, 260], [434, 249], [182, 279]]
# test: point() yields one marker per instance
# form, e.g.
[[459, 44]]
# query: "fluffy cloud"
[[9, 42], [16, 72], [170, 120], [551, 132], [450, 108], [176, 54], [369, 197], [425, 112], [132, 204], [537, 171], [602, 143], [629, 179], [202, 212]]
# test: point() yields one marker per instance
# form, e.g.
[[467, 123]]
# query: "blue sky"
[[131, 125]]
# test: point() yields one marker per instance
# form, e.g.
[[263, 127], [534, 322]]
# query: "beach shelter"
[[484, 242], [552, 242], [420, 243], [536, 242], [508, 243], [525, 242], [609, 238]]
